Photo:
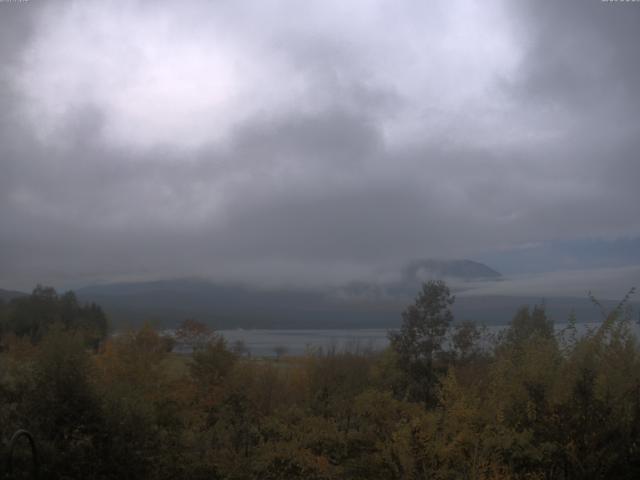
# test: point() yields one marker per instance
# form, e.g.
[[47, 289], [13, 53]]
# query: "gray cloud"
[[604, 283], [281, 144]]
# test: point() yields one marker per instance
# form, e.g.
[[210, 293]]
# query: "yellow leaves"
[[531, 411], [519, 414], [17, 348], [290, 461], [134, 350], [132, 373]]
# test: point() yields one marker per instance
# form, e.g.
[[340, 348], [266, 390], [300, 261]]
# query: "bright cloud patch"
[[186, 77]]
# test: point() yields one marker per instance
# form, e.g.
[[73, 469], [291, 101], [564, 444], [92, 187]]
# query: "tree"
[[419, 342], [466, 341], [212, 363], [240, 348], [280, 351], [194, 334], [64, 407], [34, 315], [529, 323]]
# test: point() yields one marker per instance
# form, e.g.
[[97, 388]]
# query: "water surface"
[[263, 342]]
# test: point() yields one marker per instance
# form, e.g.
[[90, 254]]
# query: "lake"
[[297, 342]]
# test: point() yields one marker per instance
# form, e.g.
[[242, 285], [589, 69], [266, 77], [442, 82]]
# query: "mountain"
[[457, 273], [357, 305], [238, 306], [7, 295], [230, 305]]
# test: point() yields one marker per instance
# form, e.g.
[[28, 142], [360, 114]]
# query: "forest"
[[445, 400]]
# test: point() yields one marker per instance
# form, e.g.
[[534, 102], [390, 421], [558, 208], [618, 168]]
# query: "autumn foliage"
[[445, 401]]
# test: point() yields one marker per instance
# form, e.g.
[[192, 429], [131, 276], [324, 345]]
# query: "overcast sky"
[[314, 142]]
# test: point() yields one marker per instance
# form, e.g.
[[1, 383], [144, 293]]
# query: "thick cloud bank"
[[309, 142]]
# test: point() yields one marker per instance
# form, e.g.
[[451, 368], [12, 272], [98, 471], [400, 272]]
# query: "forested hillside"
[[445, 401]]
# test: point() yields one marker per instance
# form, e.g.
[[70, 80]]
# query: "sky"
[[316, 143]]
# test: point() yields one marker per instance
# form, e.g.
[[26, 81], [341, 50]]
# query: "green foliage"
[[528, 324], [425, 323], [440, 403], [466, 342], [63, 406], [419, 343], [427, 344], [32, 316], [212, 363]]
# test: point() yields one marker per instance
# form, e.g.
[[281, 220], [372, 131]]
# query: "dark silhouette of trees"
[[529, 323], [419, 342], [32, 316]]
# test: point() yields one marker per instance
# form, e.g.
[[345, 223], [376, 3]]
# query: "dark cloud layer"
[[284, 145]]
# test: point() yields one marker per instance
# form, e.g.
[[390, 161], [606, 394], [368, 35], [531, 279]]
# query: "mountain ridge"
[[355, 305], [7, 295]]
